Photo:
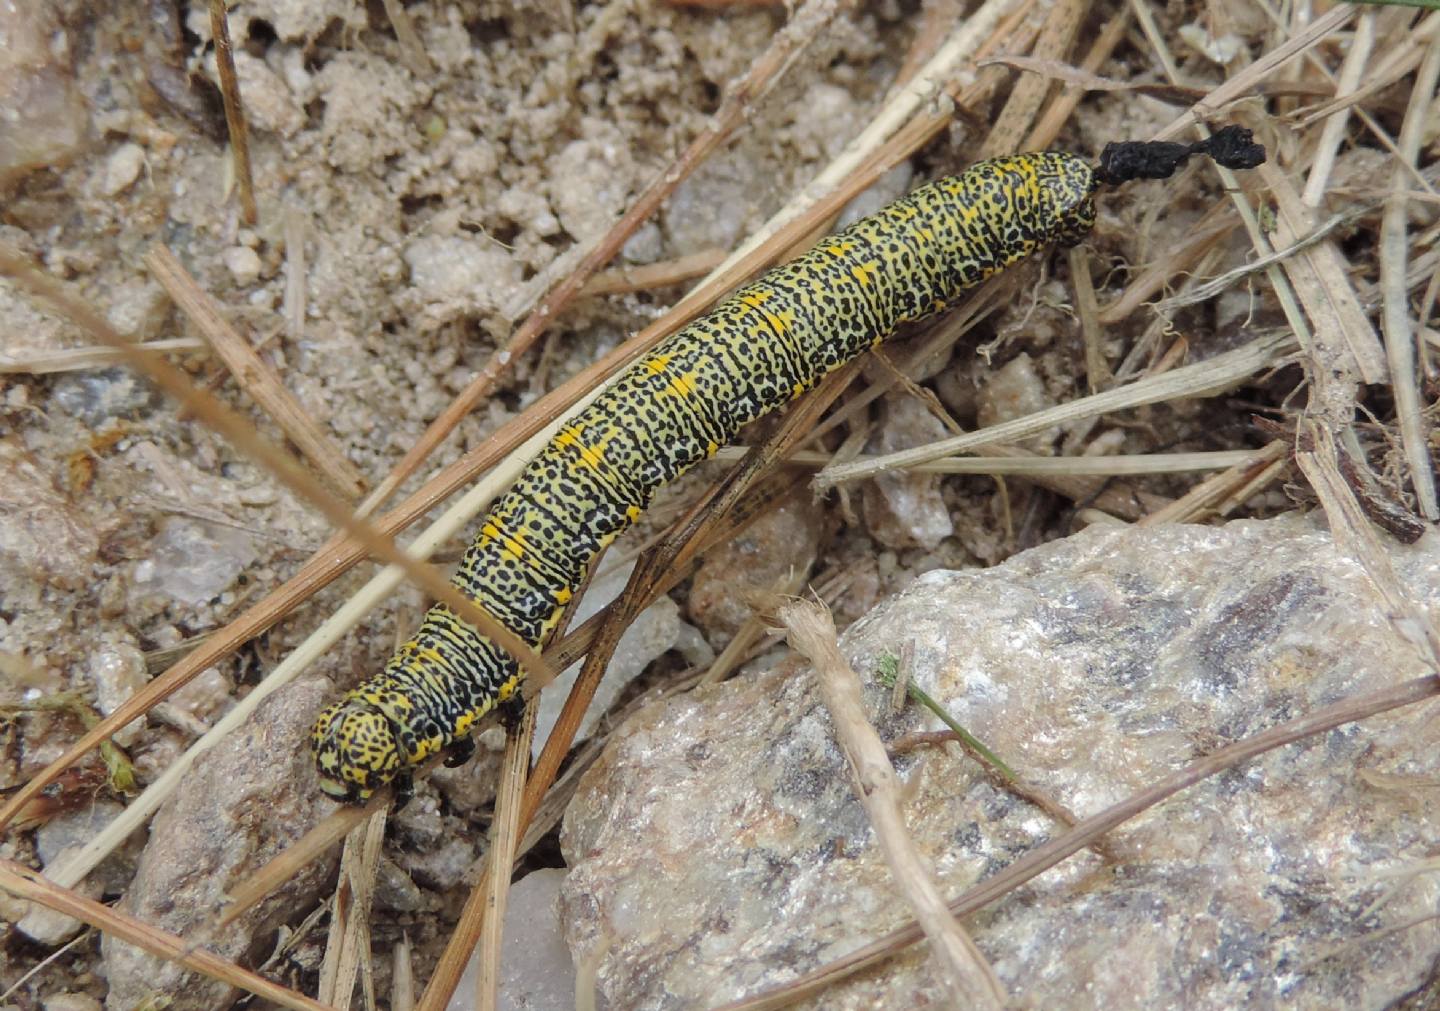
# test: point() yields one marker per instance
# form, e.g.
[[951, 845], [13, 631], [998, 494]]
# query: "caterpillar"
[[771, 341]]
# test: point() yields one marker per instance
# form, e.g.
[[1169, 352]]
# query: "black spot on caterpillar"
[[770, 342]]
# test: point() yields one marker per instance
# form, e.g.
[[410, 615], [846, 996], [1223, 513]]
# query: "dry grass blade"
[[24, 883], [1399, 331], [1208, 377], [504, 837], [1396, 64], [402, 987], [1240, 83], [1042, 858], [1059, 111], [1208, 290], [1045, 466], [1018, 116], [347, 949], [624, 280], [252, 374], [1208, 493], [1157, 276], [971, 981], [752, 631], [412, 50], [1343, 339], [1342, 343], [45, 362], [1362, 41], [1098, 374], [234, 109]]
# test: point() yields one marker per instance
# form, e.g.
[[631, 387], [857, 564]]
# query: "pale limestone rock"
[[535, 969], [122, 168], [453, 275], [905, 509], [781, 541], [1014, 390], [245, 800], [43, 118], [117, 671], [717, 846], [655, 631], [43, 537], [192, 561], [243, 264]]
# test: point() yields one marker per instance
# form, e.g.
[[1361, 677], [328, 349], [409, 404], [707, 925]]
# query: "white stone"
[[243, 264], [536, 973], [122, 168], [717, 846]]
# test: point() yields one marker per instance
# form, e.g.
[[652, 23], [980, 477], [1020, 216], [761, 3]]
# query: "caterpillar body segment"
[[771, 341]]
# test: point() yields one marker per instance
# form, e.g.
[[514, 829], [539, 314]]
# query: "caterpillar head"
[[357, 750]]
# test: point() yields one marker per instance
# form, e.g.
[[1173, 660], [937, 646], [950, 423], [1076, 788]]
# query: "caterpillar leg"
[[404, 787], [461, 750], [511, 710]]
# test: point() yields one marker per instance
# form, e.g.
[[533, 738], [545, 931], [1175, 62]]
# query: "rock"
[[711, 207], [41, 533], [243, 264], [59, 838], [435, 850], [459, 275], [97, 395], [1014, 390], [528, 209], [270, 105], [69, 1002], [192, 561], [470, 787], [204, 696], [43, 118], [138, 308], [245, 801], [655, 631], [645, 246], [47, 927], [122, 169], [782, 541], [904, 510], [117, 670], [717, 848], [395, 892], [536, 973], [589, 184]]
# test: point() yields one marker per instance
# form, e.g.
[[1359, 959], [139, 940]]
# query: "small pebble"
[[70, 1002], [118, 672], [50, 928], [123, 169], [243, 264]]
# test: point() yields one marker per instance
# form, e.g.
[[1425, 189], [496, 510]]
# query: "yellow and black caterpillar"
[[770, 342]]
